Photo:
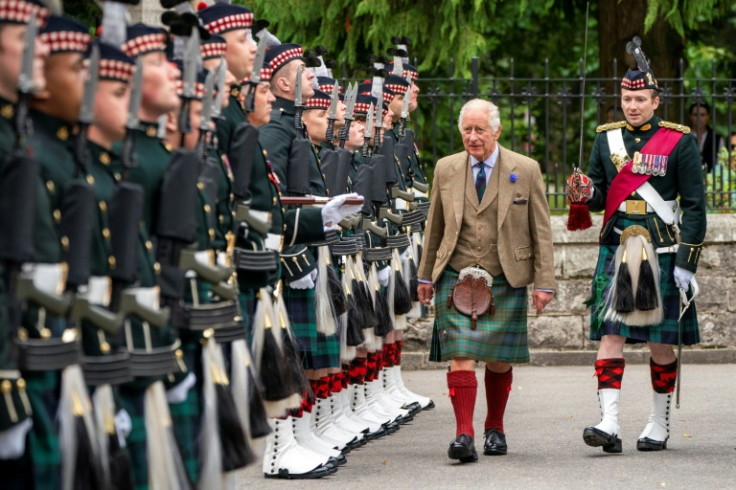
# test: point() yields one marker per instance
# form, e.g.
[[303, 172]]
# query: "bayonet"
[[405, 108], [220, 76], [378, 121], [368, 130], [255, 76], [25, 82], [131, 121], [351, 93], [332, 115], [298, 104], [191, 63], [206, 119], [86, 110]]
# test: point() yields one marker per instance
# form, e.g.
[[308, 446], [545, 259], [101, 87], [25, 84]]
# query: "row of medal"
[[649, 164]]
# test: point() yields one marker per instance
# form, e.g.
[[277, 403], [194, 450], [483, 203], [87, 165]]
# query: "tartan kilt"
[[326, 352], [303, 319], [247, 298], [498, 338], [131, 400], [665, 332], [43, 389]]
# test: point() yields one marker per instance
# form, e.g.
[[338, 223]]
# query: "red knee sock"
[[663, 376], [610, 372], [463, 389], [498, 387]]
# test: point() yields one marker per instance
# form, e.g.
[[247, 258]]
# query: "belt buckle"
[[635, 206]]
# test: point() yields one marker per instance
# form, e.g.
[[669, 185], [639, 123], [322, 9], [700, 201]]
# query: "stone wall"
[[560, 334]]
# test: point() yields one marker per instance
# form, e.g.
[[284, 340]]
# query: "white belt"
[[401, 205], [49, 278], [418, 193], [99, 290]]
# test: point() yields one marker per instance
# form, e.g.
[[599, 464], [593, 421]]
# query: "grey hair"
[[494, 117]]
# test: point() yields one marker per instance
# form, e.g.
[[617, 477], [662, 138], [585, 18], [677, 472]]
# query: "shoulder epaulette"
[[677, 127], [609, 126]]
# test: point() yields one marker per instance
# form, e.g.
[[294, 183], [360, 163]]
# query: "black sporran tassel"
[[276, 381], [256, 410], [339, 301], [624, 288], [646, 289], [299, 380], [402, 298], [364, 302], [87, 471], [414, 281], [236, 452], [121, 473], [384, 323]]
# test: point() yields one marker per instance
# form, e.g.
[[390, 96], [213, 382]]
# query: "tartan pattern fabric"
[[145, 43], [265, 75], [303, 318], [185, 419], [43, 448], [319, 100], [665, 332], [247, 298], [198, 89], [610, 372], [326, 353], [288, 52], [357, 371], [498, 338], [131, 400], [663, 376], [212, 50], [480, 180], [388, 95], [115, 70], [241, 20]]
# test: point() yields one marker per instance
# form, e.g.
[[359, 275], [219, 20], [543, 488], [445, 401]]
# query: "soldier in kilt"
[[648, 253], [488, 217]]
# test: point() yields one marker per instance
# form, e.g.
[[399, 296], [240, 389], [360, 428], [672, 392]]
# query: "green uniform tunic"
[[684, 180]]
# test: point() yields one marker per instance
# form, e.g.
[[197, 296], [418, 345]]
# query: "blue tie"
[[480, 181]]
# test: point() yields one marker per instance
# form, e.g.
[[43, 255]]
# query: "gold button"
[[221, 219], [118, 176], [6, 386], [103, 206], [157, 268], [45, 333], [200, 186], [633, 194], [105, 158], [105, 233], [50, 186], [111, 261], [64, 243], [167, 145], [62, 133], [212, 233], [104, 347], [57, 216], [151, 131], [21, 384], [90, 180], [149, 245], [7, 111], [179, 354], [22, 333], [207, 208], [265, 153]]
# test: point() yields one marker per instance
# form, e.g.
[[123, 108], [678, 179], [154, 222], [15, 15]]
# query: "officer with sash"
[[15, 408], [650, 246]]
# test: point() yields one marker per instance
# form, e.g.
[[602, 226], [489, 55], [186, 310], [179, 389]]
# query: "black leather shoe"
[[647, 444], [610, 443], [495, 444], [463, 449]]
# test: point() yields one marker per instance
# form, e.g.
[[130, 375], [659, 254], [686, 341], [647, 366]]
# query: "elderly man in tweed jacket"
[[488, 209]]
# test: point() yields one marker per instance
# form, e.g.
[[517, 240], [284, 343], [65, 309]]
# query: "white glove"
[[683, 277], [383, 276], [178, 392], [335, 210], [313, 275], [123, 425], [13, 440], [305, 282]]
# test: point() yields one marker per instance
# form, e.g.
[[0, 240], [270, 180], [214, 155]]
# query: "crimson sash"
[[626, 181]]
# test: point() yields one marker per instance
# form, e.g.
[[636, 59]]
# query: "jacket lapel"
[[459, 173], [505, 187]]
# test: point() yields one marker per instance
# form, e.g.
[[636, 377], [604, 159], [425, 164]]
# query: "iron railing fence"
[[541, 118]]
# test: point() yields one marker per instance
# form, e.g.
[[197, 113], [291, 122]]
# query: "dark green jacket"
[[232, 115], [683, 180]]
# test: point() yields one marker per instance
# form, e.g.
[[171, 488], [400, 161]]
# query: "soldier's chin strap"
[[685, 303]]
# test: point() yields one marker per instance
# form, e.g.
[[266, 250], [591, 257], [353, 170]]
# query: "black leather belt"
[[113, 369], [230, 334], [255, 260], [330, 239], [377, 254], [47, 354], [225, 314], [156, 362], [397, 241]]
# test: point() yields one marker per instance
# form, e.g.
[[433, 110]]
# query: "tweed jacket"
[[523, 222]]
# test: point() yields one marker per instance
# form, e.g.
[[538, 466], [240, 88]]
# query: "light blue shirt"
[[489, 164]]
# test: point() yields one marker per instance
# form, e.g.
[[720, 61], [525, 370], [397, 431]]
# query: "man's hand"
[[425, 291], [541, 299], [579, 188], [336, 210]]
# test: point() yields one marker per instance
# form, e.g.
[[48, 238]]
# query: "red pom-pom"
[[201, 6], [579, 217], [98, 32]]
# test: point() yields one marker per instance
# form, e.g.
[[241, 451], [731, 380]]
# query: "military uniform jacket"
[[683, 179], [275, 138], [232, 115], [12, 408]]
